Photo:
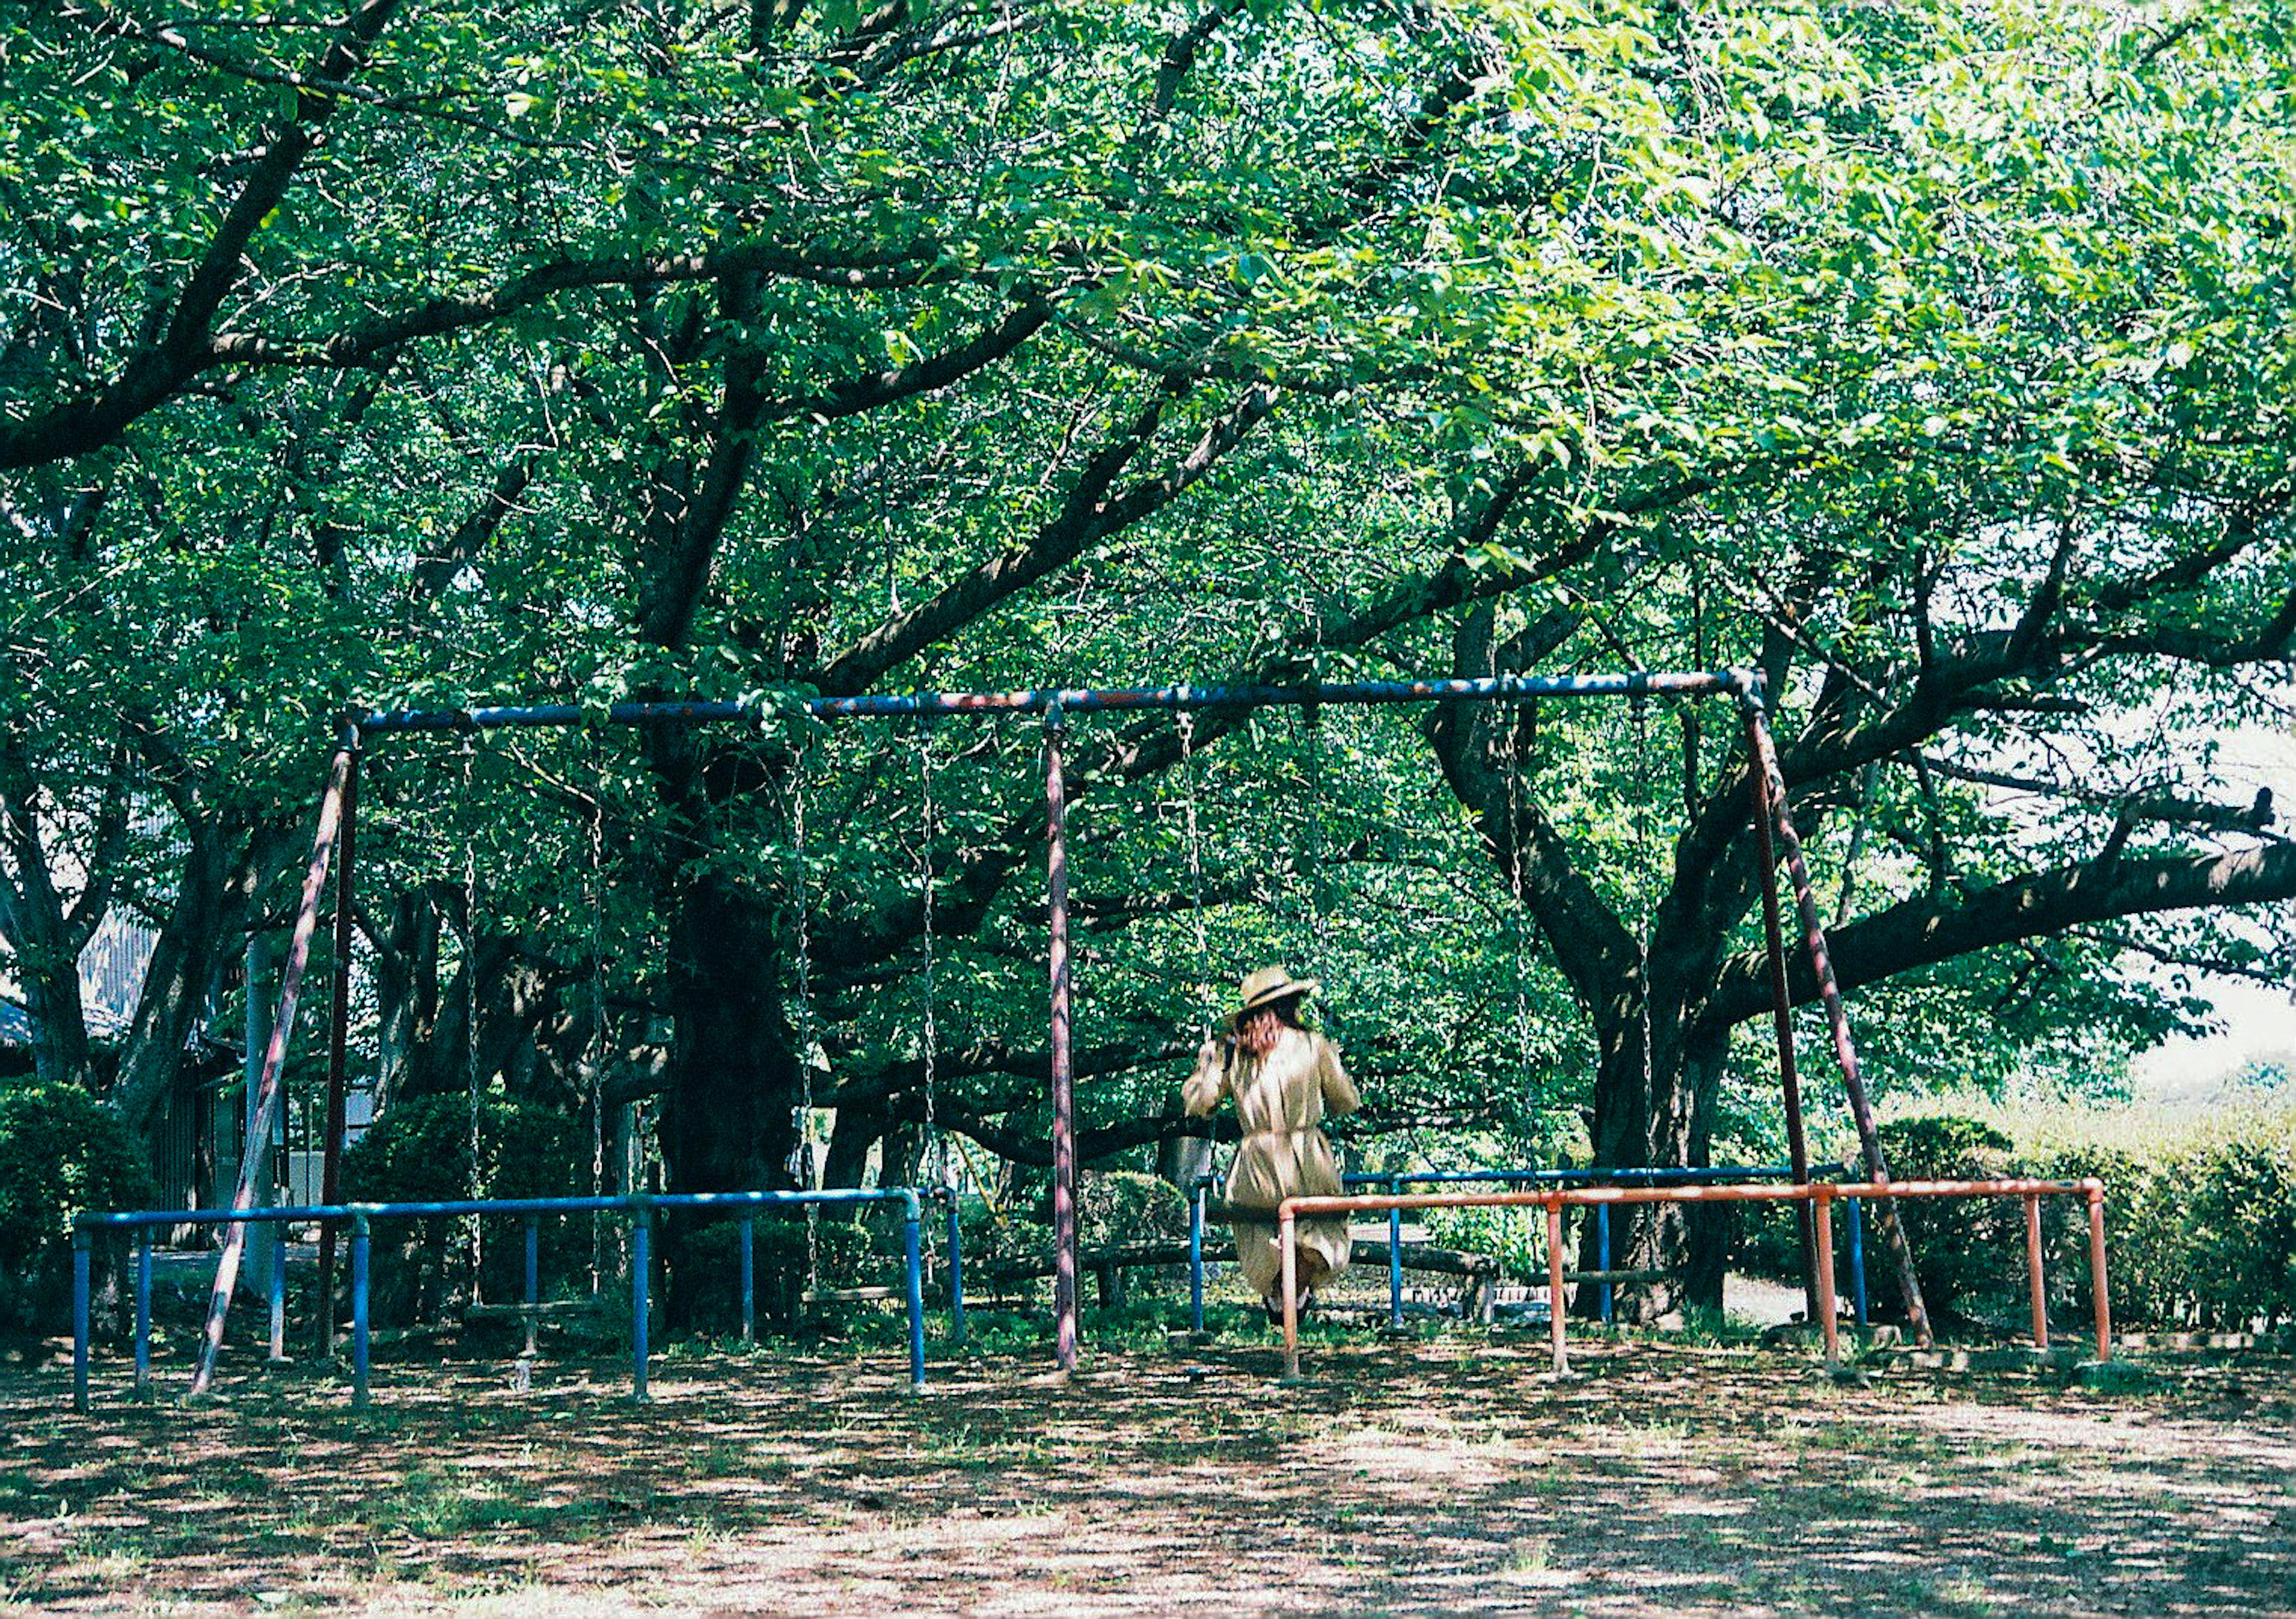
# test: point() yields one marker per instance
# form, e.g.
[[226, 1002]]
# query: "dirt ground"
[[1442, 1476]]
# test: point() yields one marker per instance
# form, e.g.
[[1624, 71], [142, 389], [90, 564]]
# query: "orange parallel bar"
[[1555, 1200], [2034, 1277]]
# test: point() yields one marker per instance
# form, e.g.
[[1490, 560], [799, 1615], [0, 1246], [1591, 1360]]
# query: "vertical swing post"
[[338, 1023], [1064, 1076], [270, 1092], [533, 1279], [1829, 991], [749, 1279]]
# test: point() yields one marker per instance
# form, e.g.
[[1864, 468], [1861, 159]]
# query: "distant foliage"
[[2200, 1228], [62, 1153]]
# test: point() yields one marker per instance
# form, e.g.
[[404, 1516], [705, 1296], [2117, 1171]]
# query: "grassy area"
[[1447, 1474]]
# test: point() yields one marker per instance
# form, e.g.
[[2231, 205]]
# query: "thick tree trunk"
[[728, 1121]]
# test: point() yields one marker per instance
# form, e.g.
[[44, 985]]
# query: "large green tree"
[[1928, 358]]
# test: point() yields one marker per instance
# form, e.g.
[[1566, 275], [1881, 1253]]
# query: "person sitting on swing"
[[1285, 1077]]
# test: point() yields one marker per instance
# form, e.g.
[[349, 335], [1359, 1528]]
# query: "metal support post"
[[912, 1251], [1196, 1258], [533, 1279], [956, 1270], [272, 1092], [1065, 1210], [360, 1245], [1829, 993], [339, 1026], [1556, 1308], [1822, 1227], [1394, 1260], [1858, 1259], [641, 1270], [749, 1278], [2098, 1290], [2038, 1283], [1603, 1258], [80, 1325], [143, 1310]]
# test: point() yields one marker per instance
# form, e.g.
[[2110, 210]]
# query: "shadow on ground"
[[1433, 1477]]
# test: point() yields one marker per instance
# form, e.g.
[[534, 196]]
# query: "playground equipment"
[[1817, 1197], [1393, 1181], [638, 1210], [1767, 807]]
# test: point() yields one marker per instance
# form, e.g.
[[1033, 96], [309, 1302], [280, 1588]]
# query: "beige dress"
[[1280, 1102]]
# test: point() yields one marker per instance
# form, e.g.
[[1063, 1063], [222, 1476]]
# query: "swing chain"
[[477, 1183], [936, 1145], [1204, 991], [804, 1166], [596, 851]]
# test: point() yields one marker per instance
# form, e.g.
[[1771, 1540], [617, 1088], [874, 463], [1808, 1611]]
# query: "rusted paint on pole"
[[271, 1092], [2035, 1280], [1782, 1008], [1829, 991], [1821, 1210], [2097, 1272], [1555, 1307], [1064, 1210], [1287, 1235], [339, 1028]]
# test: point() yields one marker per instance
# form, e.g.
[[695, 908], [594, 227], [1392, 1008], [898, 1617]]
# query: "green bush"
[[2200, 1229], [420, 1152], [63, 1153], [1968, 1252]]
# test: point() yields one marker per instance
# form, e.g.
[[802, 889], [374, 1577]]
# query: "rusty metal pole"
[[339, 1026], [1065, 1208], [1555, 1310], [1821, 1224], [1287, 1233], [2096, 1272], [1829, 991], [270, 1092], [2038, 1282], [1782, 1008]]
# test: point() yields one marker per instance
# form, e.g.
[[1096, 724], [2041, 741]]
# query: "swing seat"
[[852, 1295]]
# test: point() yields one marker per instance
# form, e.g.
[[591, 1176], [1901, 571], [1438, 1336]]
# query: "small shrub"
[[63, 1153], [1966, 1250]]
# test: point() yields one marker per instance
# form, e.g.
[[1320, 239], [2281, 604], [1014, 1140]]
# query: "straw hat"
[[1272, 984]]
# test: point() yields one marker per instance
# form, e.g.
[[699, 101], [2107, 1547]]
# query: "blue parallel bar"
[[279, 1299], [533, 1277], [1857, 1259], [913, 1248], [956, 1270], [359, 1215], [1603, 1256], [359, 1245], [1394, 1259], [81, 1304], [1066, 700], [144, 1311], [1196, 1257], [641, 1267], [749, 1278]]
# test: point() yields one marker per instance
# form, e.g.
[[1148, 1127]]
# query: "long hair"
[[1257, 1030]]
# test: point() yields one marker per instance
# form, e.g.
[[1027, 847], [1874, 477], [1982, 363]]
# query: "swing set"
[[1777, 844]]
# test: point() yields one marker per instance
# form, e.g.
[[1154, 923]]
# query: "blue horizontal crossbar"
[[1048, 699]]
